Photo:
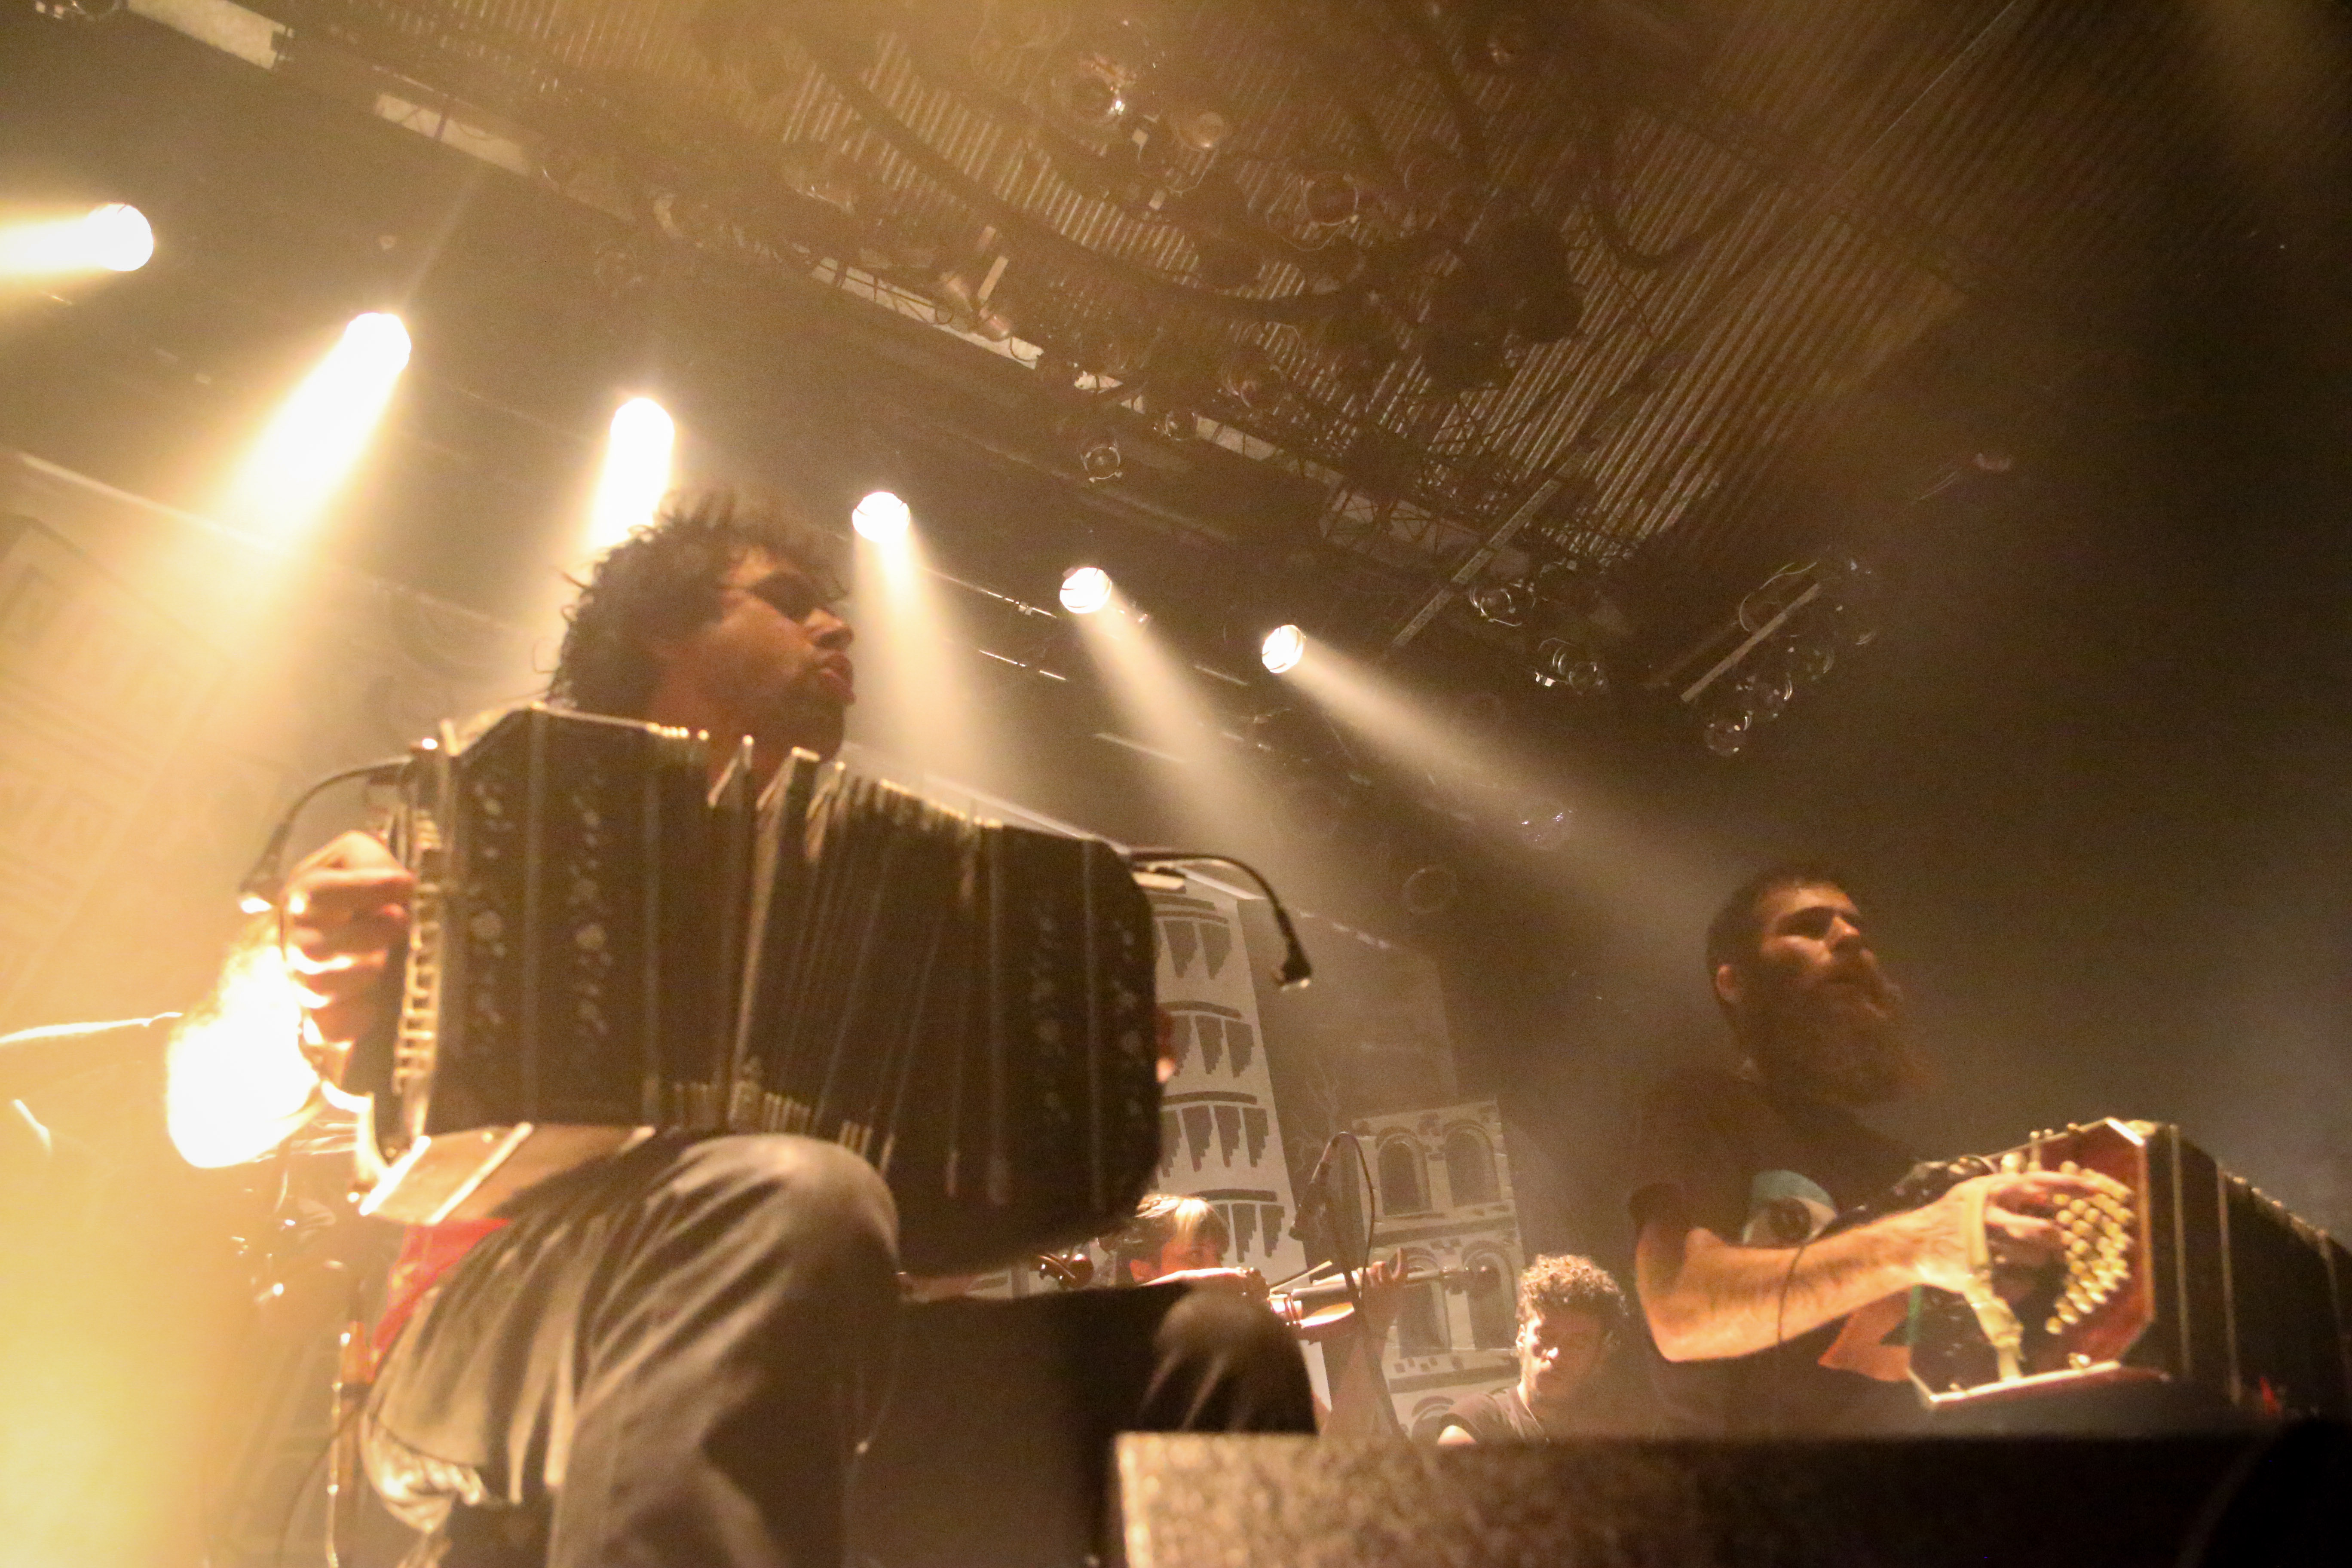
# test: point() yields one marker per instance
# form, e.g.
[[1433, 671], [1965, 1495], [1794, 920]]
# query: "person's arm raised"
[[245, 1070], [1706, 1298]]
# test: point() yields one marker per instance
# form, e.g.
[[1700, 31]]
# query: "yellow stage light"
[[312, 444], [1283, 649], [114, 238], [881, 517], [1085, 590], [637, 471]]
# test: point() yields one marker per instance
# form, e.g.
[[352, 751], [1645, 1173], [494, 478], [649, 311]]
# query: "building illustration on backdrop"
[[1445, 1200]]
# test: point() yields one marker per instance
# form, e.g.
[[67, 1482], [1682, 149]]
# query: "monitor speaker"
[[2278, 1499]]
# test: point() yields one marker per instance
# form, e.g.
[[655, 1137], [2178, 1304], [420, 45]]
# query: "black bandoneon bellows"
[[605, 947]]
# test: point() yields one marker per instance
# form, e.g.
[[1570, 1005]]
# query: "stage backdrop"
[[166, 685]]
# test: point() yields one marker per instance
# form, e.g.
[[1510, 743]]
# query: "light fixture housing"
[[881, 517], [1283, 649], [1085, 590], [118, 238]]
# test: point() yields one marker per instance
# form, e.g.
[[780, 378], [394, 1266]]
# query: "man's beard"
[[1842, 1043]]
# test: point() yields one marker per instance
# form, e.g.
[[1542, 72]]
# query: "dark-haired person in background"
[[1762, 1323], [664, 1358], [1571, 1314]]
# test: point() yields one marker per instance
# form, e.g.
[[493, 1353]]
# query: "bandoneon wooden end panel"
[[2188, 1276]]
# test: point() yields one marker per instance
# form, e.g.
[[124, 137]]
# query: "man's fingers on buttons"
[[325, 960], [2036, 1236], [345, 890], [370, 931]]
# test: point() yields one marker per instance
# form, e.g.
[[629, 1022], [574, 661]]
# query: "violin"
[[1322, 1306], [1071, 1271]]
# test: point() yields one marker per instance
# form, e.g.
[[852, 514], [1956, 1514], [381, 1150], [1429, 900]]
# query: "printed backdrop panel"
[[97, 690], [1220, 1137]]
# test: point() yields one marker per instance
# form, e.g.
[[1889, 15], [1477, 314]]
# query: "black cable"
[[266, 882], [1431, 49], [1295, 970], [1780, 1337]]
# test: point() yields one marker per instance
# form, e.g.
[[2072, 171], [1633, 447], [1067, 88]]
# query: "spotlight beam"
[[1168, 717], [1657, 885], [636, 473], [315, 440], [918, 696], [115, 238]]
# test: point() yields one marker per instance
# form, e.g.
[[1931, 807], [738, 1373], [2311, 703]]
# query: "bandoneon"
[[2173, 1271], [605, 946]]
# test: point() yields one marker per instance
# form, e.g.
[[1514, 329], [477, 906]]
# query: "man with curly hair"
[[664, 1358], [655, 1359], [1570, 1312], [720, 619]]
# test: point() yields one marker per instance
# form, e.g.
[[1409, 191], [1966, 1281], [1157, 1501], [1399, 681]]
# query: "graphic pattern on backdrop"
[[1219, 1138], [96, 688]]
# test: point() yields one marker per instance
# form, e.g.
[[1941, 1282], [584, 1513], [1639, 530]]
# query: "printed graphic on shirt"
[[1784, 1209]]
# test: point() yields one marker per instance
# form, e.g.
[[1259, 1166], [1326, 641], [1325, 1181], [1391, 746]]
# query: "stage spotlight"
[[1085, 590], [881, 517], [117, 238], [635, 476], [1505, 604], [114, 238], [314, 440], [1727, 731], [1100, 457], [1203, 127], [1765, 692], [1283, 649], [1559, 662], [1249, 377]]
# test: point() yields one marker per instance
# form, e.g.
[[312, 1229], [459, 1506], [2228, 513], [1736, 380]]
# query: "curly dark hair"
[[1560, 1281], [1736, 931], [662, 581]]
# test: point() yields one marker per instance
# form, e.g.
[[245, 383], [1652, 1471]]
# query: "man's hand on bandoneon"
[[346, 908], [2019, 1232]]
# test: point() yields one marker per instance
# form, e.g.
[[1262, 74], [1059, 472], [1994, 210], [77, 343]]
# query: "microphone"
[[1315, 1199]]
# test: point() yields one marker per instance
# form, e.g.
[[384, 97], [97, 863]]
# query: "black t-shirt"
[[1763, 1169], [1501, 1416]]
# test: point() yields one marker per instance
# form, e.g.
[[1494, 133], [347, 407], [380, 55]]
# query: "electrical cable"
[[1296, 971], [265, 882], [1780, 1337]]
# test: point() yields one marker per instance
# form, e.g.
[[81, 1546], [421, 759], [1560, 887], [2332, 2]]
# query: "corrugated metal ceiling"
[[1757, 204]]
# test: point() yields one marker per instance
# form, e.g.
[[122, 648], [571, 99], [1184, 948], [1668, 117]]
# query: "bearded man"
[[1765, 1321]]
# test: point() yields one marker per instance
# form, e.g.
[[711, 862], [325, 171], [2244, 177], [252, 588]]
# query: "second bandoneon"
[[605, 947]]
